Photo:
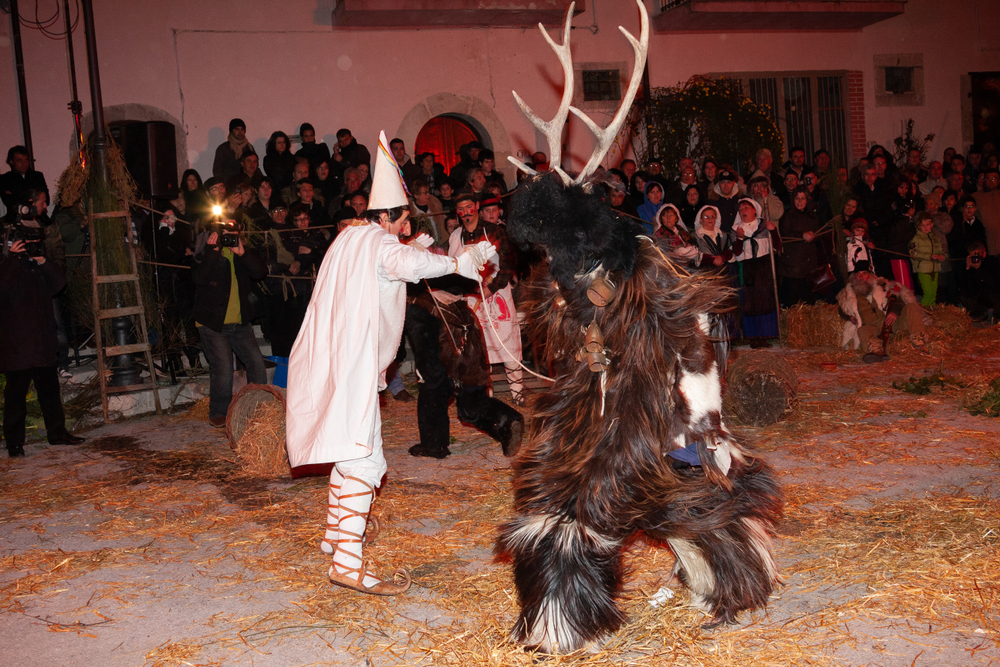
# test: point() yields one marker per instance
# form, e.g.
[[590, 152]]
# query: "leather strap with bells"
[[593, 352]]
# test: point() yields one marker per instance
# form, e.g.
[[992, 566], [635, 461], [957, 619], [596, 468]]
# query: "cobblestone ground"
[[147, 546]]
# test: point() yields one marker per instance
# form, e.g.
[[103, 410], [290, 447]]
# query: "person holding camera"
[[223, 274], [28, 349], [981, 294]]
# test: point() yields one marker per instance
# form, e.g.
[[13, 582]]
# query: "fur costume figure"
[[595, 469], [883, 292], [625, 331]]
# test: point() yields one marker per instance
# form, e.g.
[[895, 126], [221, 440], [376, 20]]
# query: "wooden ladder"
[[109, 313]]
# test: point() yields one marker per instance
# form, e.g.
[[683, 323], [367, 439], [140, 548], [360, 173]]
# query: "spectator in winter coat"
[[230, 152]]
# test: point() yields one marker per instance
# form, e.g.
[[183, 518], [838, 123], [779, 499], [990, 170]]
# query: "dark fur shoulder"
[[575, 225]]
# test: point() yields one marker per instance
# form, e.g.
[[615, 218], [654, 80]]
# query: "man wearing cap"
[[349, 337], [725, 196], [497, 315], [229, 152], [489, 210]]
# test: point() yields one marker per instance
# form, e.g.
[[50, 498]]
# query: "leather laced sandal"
[[349, 580], [354, 577], [372, 529]]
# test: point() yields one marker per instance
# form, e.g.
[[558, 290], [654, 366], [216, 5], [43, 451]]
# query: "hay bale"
[[819, 326], [762, 388], [256, 429]]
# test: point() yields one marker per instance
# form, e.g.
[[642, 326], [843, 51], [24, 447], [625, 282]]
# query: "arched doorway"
[[444, 136]]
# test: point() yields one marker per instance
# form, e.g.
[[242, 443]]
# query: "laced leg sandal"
[[333, 518], [348, 568]]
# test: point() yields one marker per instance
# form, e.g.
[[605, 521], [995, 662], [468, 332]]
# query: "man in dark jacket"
[[222, 310], [19, 180], [312, 152], [28, 345], [348, 152]]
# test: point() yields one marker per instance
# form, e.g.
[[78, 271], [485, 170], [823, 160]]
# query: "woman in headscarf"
[[279, 163], [670, 233], [752, 240], [801, 256], [712, 243], [652, 199], [693, 203]]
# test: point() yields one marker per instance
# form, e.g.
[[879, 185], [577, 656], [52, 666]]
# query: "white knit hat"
[[388, 189]]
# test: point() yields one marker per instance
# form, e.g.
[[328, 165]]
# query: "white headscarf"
[[756, 238]]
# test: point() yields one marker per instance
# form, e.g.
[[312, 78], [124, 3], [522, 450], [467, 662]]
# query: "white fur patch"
[[761, 541], [552, 631], [704, 325], [567, 533], [723, 454], [532, 530], [702, 391], [700, 578]]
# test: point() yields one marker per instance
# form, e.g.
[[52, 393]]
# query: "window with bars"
[[600, 85], [810, 108]]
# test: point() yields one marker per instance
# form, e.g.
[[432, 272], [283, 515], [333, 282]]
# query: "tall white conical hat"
[[388, 189]]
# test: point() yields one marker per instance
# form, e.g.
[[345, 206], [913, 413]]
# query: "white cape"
[[348, 338]]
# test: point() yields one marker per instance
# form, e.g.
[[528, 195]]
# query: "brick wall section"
[[856, 106]]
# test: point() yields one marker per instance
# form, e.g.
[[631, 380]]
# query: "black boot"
[[15, 450], [433, 422], [495, 418]]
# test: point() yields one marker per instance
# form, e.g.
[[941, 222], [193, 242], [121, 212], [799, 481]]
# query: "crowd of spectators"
[[932, 228], [783, 235]]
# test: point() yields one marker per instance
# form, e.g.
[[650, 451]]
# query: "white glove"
[[486, 250], [421, 241], [475, 257], [466, 267]]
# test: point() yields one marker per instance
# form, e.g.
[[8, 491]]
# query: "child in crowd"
[[926, 254], [859, 246]]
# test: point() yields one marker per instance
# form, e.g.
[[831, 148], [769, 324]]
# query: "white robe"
[[349, 337]]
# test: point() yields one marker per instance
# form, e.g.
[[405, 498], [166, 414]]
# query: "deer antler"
[[607, 136], [553, 129]]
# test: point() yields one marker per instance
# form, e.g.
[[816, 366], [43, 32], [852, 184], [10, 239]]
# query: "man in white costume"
[[350, 335]]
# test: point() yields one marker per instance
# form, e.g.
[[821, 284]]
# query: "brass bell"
[[597, 361], [593, 340], [601, 291]]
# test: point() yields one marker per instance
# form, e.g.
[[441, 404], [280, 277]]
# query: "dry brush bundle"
[[818, 326], [762, 388], [256, 428]]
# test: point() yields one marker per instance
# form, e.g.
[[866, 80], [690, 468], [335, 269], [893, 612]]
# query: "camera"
[[229, 233], [975, 260], [26, 228]]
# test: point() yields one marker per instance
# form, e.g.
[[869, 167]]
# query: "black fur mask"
[[575, 225]]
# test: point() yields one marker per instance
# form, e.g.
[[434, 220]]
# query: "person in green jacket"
[[926, 255]]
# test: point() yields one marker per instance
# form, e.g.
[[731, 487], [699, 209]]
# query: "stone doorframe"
[[471, 110]]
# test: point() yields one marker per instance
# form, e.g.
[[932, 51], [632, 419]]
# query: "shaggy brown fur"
[[586, 482]]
